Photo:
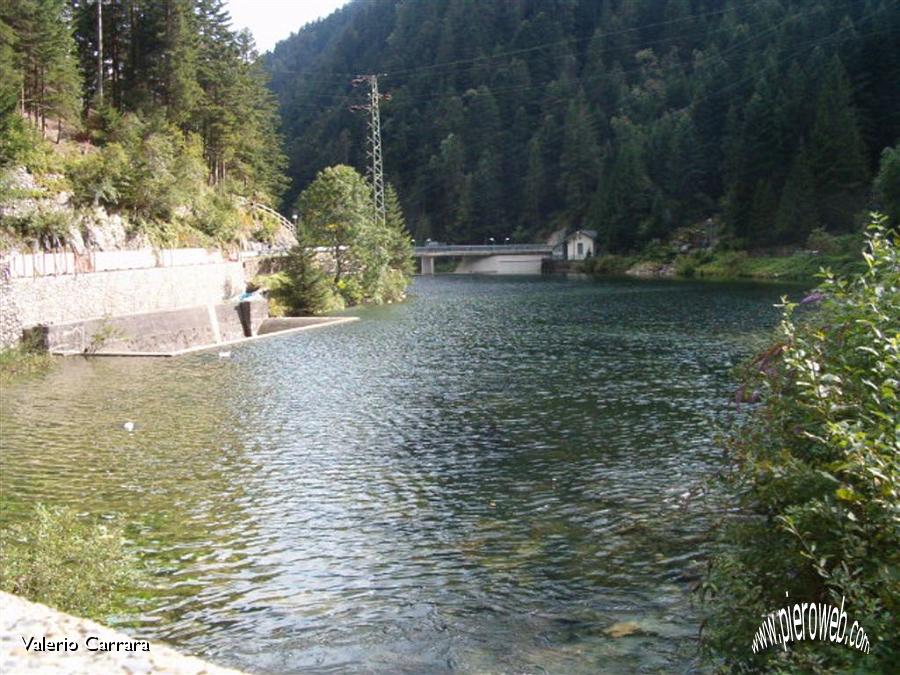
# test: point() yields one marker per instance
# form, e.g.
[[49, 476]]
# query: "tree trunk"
[[100, 52]]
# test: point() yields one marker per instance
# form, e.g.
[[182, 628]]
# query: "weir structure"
[[487, 259]]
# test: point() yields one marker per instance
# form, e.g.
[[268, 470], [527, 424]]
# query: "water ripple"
[[481, 480]]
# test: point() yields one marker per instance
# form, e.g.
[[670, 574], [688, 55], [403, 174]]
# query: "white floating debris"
[[225, 355], [128, 426]]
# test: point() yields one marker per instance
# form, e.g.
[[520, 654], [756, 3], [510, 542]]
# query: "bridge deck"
[[477, 250]]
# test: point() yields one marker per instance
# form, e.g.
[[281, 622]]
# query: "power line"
[[737, 47], [546, 45]]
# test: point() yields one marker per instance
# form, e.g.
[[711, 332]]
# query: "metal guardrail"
[[284, 222], [488, 248]]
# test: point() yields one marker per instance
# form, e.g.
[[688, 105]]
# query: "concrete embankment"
[[85, 647], [172, 332], [173, 302]]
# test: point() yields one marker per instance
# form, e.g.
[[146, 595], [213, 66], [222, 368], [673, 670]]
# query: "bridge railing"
[[487, 248]]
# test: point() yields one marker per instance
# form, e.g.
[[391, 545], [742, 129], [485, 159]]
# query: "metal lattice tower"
[[375, 170]]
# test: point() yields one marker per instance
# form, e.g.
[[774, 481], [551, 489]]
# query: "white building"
[[580, 245]]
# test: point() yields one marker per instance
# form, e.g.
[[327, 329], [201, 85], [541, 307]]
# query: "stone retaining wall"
[[67, 298], [10, 320]]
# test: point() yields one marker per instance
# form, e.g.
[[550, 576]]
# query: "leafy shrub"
[[170, 234], [351, 290], [817, 468], [723, 264], [60, 559], [47, 227], [606, 265], [887, 184], [658, 251], [830, 244], [687, 265], [168, 172], [100, 177], [216, 213], [24, 359], [21, 143]]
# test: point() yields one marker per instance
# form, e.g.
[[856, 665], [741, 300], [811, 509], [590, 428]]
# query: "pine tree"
[[45, 51], [579, 162], [625, 196], [535, 180], [888, 183], [763, 208], [837, 153], [307, 291], [487, 210], [796, 216]]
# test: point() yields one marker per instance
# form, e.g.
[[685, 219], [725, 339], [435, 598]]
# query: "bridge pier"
[[427, 265]]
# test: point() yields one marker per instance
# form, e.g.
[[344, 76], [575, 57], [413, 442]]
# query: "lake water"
[[483, 479]]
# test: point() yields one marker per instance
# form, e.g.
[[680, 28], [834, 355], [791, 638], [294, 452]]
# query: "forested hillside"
[[632, 117], [162, 110]]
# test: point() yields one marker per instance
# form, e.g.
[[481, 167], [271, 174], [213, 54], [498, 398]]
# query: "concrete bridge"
[[488, 259]]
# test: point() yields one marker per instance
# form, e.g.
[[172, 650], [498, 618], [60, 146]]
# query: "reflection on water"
[[483, 479]]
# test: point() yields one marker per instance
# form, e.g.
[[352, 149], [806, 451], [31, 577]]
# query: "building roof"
[[592, 234]]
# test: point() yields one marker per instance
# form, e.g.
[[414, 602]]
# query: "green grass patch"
[[797, 266]]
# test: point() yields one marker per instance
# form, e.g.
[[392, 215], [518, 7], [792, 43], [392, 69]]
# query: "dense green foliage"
[[22, 360], [818, 469], [888, 183], [58, 558], [302, 288], [838, 253], [631, 117], [184, 120], [368, 261]]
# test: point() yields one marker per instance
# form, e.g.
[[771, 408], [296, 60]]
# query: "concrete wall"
[[501, 264], [68, 298], [162, 331]]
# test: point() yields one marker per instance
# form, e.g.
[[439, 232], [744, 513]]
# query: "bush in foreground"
[[64, 561], [25, 358], [817, 468]]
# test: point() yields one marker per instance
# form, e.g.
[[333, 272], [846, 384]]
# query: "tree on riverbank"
[[168, 119], [369, 261], [817, 467]]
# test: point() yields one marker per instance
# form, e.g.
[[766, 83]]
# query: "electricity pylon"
[[375, 170]]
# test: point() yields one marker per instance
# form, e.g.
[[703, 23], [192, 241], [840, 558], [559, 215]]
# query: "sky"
[[274, 20]]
